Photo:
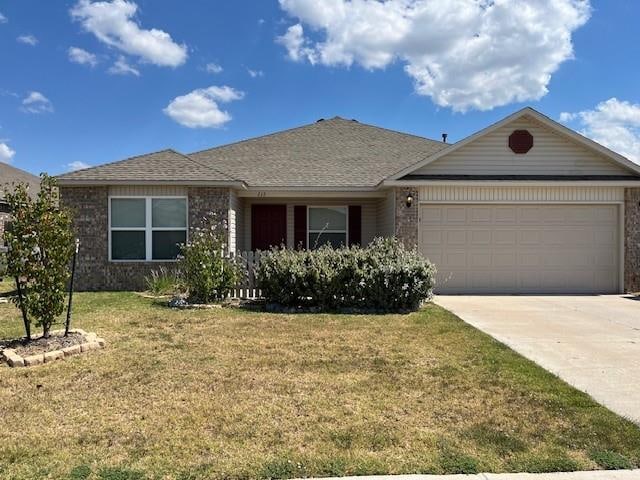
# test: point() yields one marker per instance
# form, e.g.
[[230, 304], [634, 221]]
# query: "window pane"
[[335, 239], [165, 244], [169, 212], [127, 245], [128, 212], [328, 218]]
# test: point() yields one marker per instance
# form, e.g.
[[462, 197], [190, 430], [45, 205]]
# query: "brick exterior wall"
[[632, 240], [406, 228], [89, 206]]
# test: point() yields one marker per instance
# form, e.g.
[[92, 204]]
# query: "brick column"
[[632, 239], [203, 200], [406, 227]]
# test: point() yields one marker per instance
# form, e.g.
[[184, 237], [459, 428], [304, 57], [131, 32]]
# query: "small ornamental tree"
[[40, 246], [208, 273]]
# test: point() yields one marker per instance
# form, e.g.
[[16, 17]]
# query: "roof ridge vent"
[[320, 120]]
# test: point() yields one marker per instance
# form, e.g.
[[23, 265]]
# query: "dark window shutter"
[[300, 226], [355, 225]]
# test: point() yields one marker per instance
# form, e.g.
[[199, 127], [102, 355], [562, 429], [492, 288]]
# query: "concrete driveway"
[[591, 342]]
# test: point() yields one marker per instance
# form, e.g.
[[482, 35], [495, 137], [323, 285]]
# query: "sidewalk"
[[590, 475]]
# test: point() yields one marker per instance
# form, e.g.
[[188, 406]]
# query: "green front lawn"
[[234, 394]]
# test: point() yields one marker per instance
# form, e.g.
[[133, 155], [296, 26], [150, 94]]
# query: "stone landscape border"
[[91, 342]]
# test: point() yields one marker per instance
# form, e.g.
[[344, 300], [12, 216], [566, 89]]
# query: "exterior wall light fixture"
[[409, 200]]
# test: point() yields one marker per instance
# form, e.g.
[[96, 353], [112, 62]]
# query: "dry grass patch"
[[234, 394]]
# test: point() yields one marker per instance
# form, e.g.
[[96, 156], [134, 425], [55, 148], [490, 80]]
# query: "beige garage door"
[[522, 248]]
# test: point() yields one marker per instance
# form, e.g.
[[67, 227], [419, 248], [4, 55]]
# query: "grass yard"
[[234, 394]]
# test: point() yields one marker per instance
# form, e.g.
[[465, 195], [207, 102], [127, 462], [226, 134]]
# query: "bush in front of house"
[[207, 272], [384, 276]]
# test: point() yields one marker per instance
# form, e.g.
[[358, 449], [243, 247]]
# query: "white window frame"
[[148, 228], [346, 225]]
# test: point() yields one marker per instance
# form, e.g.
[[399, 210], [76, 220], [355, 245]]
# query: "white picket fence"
[[246, 289]]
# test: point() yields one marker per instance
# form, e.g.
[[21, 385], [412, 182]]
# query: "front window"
[[147, 228], [327, 225]]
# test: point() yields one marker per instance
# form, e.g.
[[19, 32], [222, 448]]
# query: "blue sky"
[[87, 83]]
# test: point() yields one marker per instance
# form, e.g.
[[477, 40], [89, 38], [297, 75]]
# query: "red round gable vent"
[[520, 141]]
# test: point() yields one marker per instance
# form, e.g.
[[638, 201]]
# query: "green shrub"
[[207, 272], [162, 282], [384, 276]]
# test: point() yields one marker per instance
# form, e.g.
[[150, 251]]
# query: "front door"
[[268, 226]]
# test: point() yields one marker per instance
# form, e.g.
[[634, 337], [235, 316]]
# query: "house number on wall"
[[262, 194]]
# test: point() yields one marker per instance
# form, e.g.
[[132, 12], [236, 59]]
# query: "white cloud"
[[77, 165], [81, 56], [255, 73], [6, 153], [613, 123], [28, 40], [36, 102], [200, 109], [121, 67], [463, 54], [3, 19], [213, 68], [113, 22]]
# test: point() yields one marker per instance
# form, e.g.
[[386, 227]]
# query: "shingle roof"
[[10, 175], [165, 165], [330, 153]]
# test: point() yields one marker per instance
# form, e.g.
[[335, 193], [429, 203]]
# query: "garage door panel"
[[522, 248], [505, 214], [481, 214], [480, 237], [529, 237], [431, 215], [456, 237], [504, 258], [505, 237], [479, 259], [453, 215]]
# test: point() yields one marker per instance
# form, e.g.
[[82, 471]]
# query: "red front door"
[[268, 226]]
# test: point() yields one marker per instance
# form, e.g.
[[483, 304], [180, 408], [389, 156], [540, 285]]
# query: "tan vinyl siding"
[[551, 154], [369, 215], [520, 194], [148, 190], [385, 215]]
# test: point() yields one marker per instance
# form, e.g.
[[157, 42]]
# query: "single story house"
[[8, 177], [524, 206]]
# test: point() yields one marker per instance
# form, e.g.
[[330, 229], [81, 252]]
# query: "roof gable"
[[556, 150]]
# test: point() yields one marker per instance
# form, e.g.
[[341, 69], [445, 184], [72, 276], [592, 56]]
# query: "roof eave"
[[68, 182], [513, 183]]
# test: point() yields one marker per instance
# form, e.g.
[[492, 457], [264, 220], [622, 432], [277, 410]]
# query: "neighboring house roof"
[[328, 153], [163, 166], [335, 153], [11, 175], [406, 173]]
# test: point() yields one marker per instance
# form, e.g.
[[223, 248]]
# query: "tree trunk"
[[25, 318]]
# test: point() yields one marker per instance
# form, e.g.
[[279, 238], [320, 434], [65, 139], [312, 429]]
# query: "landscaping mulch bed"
[[57, 341]]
